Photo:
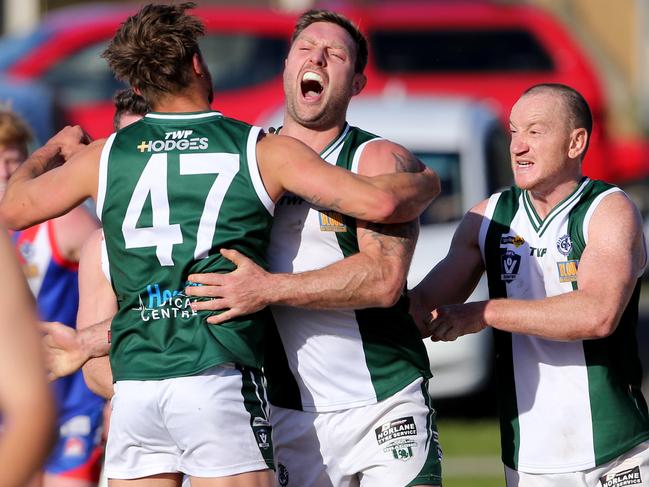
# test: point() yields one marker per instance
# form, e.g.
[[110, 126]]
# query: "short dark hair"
[[579, 114], [127, 101], [321, 15], [152, 49]]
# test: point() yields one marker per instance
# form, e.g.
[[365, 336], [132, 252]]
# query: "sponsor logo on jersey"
[[564, 244], [394, 437], [164, 303], [568, 270], [74, 447], [510, 263], [282, 474], [181, 140], [538, 251], [515, 240], [331, 221], [27, 254], [620, 478]]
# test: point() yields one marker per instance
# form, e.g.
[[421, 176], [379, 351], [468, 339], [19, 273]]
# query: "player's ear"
[[358, 83]]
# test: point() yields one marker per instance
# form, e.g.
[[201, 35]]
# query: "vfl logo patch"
[[564, 244], [629, 476], [517, 241], [568, 270], [282, 475], [331, 221], [510, 263], [394, 437]]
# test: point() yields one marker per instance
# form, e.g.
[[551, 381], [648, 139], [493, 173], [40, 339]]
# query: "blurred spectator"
[[49, 253]]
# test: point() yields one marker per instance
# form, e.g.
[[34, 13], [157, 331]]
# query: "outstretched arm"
[[594, 308], [373, 277], [455, 277], [44, 187], [25, 399], [287, 164]]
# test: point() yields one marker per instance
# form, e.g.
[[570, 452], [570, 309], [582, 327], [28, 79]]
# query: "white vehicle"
[[464, 142]]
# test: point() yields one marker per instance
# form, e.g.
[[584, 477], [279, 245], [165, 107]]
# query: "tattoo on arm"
[[407, 163], [394, 239]]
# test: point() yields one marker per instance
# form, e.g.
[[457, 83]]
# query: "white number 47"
[[153, 181]]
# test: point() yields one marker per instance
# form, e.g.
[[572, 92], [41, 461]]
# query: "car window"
[[422, 51], [235, 61], [447, 206]]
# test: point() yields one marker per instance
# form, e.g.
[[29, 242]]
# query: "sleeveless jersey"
[[174, 189], [323, 360], [565, 406], [54, 282]]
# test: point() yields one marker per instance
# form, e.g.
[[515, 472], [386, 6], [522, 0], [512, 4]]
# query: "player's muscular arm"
[[375, 276], [288, 165], [41, 189], [454, 278], [594, 309]]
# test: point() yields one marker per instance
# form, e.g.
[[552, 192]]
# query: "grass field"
[[471, 453]]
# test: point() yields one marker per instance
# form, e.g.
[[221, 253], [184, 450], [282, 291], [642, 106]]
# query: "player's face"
[[319, 78], [11, 156], [540, 142]]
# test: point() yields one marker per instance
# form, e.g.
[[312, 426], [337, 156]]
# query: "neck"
[[316, 138], [545, 201], [187, 101]]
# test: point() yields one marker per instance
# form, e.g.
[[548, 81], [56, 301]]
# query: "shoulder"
[[616, 210], [382, 156]]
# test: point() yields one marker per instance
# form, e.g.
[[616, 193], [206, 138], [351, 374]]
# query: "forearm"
[[414, 191], [352, 283], [95, 339], [571, 316], [12, 203]]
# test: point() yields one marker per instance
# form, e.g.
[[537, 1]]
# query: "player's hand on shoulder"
[[69, 140]]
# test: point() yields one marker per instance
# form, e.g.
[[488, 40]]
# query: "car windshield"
[[458, 50], [447, 206], [235, 60]]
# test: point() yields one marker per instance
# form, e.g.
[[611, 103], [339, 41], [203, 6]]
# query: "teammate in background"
[[207, 432], [26, 402], [336, 361], [49, 254], [129, 108], [567, 253]]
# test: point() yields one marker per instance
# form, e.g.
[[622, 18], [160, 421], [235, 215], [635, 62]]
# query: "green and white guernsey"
[[173, 190], [320, 360], [565, 406]]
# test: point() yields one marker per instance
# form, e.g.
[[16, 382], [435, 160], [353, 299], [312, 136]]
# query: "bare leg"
[[160, 480], [260, 478]]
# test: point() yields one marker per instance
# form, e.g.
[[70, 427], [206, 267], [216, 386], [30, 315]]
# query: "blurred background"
[[442, 77]]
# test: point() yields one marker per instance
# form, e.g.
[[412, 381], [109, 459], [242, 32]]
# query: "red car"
[[488, 51]]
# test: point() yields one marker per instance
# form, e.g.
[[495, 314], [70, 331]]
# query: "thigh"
[[398, 442], [298, 451], [514, 478], [264, 478], [219, 420], [631, 468], [138, 444]]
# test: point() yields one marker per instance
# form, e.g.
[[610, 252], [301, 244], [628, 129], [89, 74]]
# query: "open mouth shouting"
[[312, 86]]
